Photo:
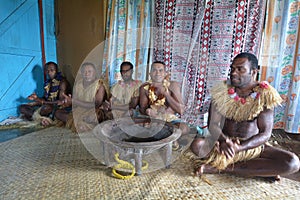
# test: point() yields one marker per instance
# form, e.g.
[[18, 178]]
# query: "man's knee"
[[46, 110], [27, 111], [24, 108], [59, 114], [185, 129], [196, 145], [293, 163]]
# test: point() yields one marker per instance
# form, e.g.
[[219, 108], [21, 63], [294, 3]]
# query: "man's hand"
[[151, 112], [66, 102], [106, 105], [32, 97], [160, 90], [229, 147]]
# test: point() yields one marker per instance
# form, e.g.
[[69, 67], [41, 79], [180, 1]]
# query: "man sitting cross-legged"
[[124, 94], [162, 99], [55, 87], [89, 94], [240, 124]]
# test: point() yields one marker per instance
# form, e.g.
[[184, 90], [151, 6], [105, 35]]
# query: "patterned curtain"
[[198, 40], [128, 37], [280, 60]]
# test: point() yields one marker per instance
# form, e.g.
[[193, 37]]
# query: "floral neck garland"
[[254, 95], [155, 99], [230, 105], [158, 102]]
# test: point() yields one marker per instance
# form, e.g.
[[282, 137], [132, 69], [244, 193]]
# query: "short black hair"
[[251, 58], [87, 64], [126, 63], [52, 63], [159, 62]]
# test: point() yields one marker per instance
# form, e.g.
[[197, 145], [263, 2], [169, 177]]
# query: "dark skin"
[[46, 106], [126, 73], [89, 76], [174, 103], [272, 162], [173, 96]]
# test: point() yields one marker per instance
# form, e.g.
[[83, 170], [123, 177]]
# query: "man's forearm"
[[176, 106], [142, 110], [49, 102], [216, 133], [254, 141]]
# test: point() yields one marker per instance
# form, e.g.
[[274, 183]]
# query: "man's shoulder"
[[145, 84], [102, 82], [268, 93], [174, 84], [115, 86], [64, 80], [219, 88], [138, 81]]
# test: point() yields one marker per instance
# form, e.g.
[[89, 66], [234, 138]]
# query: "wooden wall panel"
[[20, 54]]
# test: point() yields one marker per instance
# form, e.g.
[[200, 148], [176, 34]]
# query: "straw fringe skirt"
[[219, 161]]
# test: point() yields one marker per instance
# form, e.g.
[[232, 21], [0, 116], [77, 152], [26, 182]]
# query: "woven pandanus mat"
[[54, 164]]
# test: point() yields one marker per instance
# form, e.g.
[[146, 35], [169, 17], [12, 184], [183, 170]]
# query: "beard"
[[241, 81], [235, 82]]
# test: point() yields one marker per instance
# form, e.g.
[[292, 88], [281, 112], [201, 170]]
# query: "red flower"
[[264, 85], [243, 101], [257, 95], [236, 98], [231, 91]]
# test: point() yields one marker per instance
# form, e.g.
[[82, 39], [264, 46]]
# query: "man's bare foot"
[[199, 171], [206, 169], [46, 122], [175, 145], [273, 179]]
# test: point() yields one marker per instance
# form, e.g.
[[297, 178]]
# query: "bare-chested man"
[[161, 98], [240, 124]]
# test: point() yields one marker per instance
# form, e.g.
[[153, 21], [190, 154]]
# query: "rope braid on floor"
[[125, 165]]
